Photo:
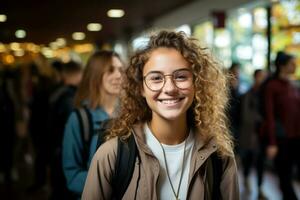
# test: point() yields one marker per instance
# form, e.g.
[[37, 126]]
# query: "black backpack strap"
[[103, 127], [125, 163], [86, 131], [217, 165], [214, 174]]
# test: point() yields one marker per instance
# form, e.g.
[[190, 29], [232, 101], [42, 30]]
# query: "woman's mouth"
[[170, 101]]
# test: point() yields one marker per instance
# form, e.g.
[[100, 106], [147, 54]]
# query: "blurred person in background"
[[61, 104], [98, 92], [42, 84], [57, 66], [7, 124], [234, 102], [250, 142], [282, 127]]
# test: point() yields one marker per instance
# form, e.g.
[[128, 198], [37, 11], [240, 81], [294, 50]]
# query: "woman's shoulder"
[[108, 149], [99, 114], [72, 118]]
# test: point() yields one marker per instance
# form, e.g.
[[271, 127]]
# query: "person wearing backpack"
[[95, 100], [173, 110]]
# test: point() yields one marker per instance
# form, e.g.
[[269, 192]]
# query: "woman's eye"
[[181, 77], [111, 69], [156, 78]]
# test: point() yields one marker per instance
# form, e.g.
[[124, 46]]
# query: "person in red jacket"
[[282, 113]]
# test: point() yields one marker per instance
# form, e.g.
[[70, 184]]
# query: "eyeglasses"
[[182, 79]]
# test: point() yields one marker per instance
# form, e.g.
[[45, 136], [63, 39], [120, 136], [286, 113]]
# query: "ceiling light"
[[94, 27], [3, 18], [78, 35], [61, 42], [53, 45], [20, 33], [47, 52], [115, 13], [15, 46]]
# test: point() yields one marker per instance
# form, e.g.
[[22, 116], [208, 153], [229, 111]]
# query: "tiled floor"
[[270, 187]]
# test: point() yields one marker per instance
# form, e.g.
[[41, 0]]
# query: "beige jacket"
[[146, 172]]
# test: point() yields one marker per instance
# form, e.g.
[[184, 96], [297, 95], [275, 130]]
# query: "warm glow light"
[[78, 36], [8, 59], [32, 47], [47, 52], [84, 48], [61, 42], [115, 13], [15, 46], [3, 18], [19, 53], [20, 33], [2, 48], [94, 27], [53, 45]]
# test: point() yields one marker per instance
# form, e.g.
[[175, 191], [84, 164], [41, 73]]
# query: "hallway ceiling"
[[45, 21]]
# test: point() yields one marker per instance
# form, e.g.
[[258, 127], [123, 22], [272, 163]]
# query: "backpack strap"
[[86, 131], [103, 127], [214, 173], [125, 163]]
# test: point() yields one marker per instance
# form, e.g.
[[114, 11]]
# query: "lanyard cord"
[[176, 194]]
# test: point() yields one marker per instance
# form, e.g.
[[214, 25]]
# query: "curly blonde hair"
[[207, 113]]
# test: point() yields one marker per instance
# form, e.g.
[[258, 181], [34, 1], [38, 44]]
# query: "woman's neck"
[[108, 103], [169, 132]]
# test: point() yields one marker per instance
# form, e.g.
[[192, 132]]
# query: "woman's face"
[[165, 69], [111, 81], [290, 67]]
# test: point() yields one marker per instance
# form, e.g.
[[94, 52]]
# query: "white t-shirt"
[[174, 155]]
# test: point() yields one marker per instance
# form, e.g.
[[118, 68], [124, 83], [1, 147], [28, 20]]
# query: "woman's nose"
[[118, 73], [169, 84]]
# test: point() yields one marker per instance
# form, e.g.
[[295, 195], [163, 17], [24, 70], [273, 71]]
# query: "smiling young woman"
[[173, 104]]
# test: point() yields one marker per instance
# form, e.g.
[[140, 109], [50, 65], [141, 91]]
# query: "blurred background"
[[37, 36]]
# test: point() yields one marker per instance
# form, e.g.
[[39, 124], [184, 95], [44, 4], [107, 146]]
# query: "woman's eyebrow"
[[154, 71], [157, 71]]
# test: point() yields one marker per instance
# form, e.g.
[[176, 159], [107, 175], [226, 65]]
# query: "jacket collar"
[[201, 145], [201, 151]]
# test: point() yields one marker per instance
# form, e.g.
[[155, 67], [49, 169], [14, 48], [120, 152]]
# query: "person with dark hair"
[[250, 142], [173, 105], [61, 104], [282, 113], [98, 94], [41, 88], [57, 65], [234, 110], [7, 125]]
